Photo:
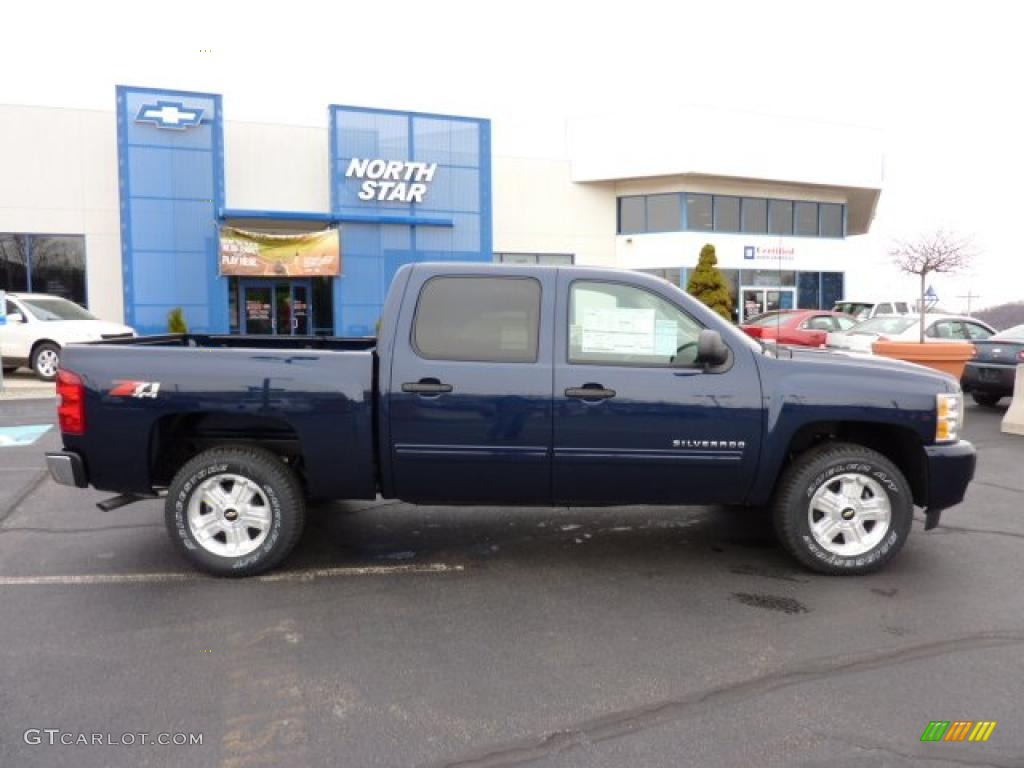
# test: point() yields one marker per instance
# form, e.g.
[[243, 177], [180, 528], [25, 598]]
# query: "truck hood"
[[860, 363]]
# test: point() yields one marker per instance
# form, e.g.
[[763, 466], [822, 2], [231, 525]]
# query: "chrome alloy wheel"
[[47, 362], [849, 514], [229, 515]]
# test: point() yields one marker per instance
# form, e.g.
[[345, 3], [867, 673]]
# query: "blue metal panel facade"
[[171, 174], [454, 216], [171, 178]]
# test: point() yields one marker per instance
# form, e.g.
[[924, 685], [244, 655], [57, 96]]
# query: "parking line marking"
[[308, 574]]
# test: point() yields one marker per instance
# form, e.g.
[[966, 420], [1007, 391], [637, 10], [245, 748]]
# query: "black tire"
[[42, 360], [821, 468], [269, 479], [986, 400]]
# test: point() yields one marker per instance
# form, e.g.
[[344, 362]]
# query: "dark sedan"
[[989, 375]]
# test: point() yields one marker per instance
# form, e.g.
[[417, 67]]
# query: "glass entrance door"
[[279, 308], [755, 301]]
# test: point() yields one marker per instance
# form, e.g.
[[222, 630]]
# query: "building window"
[[550, 259], [807, 291], [699, 213], [52, 264], [755, 215], [780, 217], [727, 214], [831, 220], [805, 219], [632, 215], [831, 289], [480, 319], [664, 213]]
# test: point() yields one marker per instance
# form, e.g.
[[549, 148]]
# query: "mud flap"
[[931, 518]]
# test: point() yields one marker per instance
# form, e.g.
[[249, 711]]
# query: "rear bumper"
[[950, 471], [993, 379], [67, 468]]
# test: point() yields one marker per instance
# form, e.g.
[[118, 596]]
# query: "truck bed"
[[314, 397]]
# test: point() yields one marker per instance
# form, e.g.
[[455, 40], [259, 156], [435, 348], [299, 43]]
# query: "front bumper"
[[67, 468], [950, 471]]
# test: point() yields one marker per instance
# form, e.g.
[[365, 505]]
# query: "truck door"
[[636, 420], [470, 388]]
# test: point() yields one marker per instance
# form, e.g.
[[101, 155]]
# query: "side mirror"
[[15, 317], [711, 350]]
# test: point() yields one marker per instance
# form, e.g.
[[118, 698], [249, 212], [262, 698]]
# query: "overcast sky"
[[942, 81]]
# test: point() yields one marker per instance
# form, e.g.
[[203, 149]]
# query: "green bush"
[[176, 321], [707, 284]]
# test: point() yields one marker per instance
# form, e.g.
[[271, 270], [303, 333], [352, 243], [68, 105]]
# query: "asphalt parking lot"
[[421, 636]]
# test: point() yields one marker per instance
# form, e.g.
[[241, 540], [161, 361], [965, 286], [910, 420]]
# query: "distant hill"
[[1003, 316]]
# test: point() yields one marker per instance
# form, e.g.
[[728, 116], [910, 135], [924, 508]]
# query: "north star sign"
[[391, 180]]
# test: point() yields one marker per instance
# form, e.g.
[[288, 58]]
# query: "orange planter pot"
[[948, 358]]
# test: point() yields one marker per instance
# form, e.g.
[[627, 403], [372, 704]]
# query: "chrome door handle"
[[590, 392], [426, 387]]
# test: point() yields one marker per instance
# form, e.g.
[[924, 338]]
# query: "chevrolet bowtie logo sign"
[[169, 114]]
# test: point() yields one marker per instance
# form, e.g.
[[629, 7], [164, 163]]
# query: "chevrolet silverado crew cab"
[[513, 385]]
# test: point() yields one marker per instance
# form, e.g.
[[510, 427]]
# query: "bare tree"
[[938, 252]]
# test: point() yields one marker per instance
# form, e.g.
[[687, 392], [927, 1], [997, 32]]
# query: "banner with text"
[[257, 254]]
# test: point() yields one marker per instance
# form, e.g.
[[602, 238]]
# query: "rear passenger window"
[[884, 309], [976, 331], [480, 319], [901, 307]]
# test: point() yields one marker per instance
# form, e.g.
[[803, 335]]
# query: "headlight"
[[949, 417]]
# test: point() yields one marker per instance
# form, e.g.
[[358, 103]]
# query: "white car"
[[907, 328], [38, 325], [862, 310]]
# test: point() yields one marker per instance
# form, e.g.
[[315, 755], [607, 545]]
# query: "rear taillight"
[[71, 408], [1020, 355]]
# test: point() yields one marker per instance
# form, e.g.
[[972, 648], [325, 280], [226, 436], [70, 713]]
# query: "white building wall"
[[705, 140], [538, 209], [276, 167], [60, 177]]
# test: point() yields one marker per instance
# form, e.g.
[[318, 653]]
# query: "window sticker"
[[666, 338], [618, 330]]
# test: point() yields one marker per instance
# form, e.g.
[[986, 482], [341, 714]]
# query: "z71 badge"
[[123, 388]]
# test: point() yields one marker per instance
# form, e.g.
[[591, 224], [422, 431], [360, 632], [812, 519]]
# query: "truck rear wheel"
[[235, 511], [843, 509]]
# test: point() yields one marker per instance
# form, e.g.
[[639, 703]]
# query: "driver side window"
[[611, 323]]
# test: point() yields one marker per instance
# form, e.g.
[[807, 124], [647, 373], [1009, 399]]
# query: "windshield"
[[884, 325], [854, 308], [1016, 333], [55, 308]]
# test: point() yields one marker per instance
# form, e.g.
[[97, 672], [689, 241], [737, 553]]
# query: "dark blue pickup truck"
[[515, 386]]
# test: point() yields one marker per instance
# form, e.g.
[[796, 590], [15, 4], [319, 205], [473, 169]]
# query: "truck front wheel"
[[843, 509], [235, 511]]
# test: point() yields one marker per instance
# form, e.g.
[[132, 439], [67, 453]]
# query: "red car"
[[802, 327]]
